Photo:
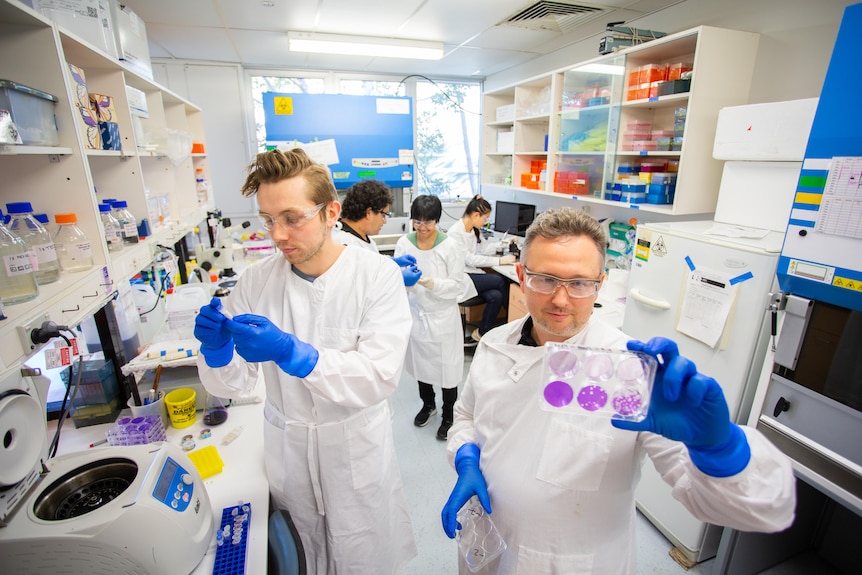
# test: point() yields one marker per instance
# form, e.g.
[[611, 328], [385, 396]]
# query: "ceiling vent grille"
[[553, 16]]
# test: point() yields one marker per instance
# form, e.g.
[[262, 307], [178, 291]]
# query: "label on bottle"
[[18, 264], [81, 251], [45, 253], [112, 235], [130, 230]]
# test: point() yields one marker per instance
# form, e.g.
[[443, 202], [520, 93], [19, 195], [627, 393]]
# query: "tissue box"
[[110, 134]]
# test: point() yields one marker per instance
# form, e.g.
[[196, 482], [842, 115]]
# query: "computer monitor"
[[513, 219]]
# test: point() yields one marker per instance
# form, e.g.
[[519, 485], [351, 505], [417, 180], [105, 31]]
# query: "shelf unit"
[[589, 113], [72, 178]]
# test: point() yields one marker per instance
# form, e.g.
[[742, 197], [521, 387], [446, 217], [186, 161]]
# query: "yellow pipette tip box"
[[207, 461]]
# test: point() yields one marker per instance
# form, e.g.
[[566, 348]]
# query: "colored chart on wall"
[[358, 137], [822, 253]]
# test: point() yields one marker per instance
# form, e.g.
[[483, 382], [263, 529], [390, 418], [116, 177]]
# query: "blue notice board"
[[358, 137]]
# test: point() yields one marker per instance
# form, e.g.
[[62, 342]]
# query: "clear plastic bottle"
[[201, 186], [17, 280], [38, 240], [73, 247], [128, 223], [113, 235]]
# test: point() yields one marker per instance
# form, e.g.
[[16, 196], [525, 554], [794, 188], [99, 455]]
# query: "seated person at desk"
[[561, 485], [492, 288], [326, 326]]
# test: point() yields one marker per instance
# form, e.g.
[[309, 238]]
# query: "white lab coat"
[[435, 353], [562, 486], [476, 256], [348, 239], [330, 457]]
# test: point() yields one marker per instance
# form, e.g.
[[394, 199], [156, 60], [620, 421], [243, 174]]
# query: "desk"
[[243, 477]]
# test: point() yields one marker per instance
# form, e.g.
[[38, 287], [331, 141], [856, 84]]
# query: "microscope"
[[220, 256]]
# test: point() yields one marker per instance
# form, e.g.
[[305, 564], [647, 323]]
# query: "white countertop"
[[242, 479]]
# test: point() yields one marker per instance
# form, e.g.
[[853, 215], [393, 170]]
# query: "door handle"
[[652, 302], [780, 405]]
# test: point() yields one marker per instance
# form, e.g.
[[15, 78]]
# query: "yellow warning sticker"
[[283, 105], [847, 283]]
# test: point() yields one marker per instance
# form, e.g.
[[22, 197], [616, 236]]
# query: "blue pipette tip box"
[[231, 548]]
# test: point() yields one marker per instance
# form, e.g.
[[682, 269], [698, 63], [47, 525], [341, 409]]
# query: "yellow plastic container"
[[207, 461], [180, 404]]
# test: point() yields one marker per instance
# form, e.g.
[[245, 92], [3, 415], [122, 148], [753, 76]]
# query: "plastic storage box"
[[32, 111], [97, 397]]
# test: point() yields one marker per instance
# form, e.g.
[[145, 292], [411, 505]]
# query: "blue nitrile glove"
[[258, 339], [211, 330], [688, 406], [470, 482], [411, 275], [406, 260]]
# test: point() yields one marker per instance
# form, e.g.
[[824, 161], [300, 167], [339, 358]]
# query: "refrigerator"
[[706, 284]]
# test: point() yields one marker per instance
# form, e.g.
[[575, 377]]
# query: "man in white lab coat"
[[560, 487], [327, 327], [364, 211]]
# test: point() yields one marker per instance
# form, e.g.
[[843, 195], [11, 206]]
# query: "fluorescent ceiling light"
[[363, 46], [610, 69]]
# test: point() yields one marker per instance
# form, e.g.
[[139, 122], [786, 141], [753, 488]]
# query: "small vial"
[[73, 247]]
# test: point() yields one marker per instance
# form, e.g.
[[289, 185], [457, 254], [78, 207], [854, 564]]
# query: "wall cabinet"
[[156, 176], [613, 116]]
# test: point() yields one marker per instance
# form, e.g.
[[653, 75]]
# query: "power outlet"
[[25, 329]]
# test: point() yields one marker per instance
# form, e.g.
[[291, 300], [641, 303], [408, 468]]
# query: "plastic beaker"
[[215, 412]]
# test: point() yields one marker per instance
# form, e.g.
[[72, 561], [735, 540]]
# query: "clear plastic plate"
[[478, 539], [597, 381]]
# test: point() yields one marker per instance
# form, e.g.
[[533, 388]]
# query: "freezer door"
[[657, 287]]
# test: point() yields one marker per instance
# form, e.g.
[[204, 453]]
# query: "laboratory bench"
[[243, 478]]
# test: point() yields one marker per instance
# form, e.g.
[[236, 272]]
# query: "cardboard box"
[[130, 34], [137, 102], [88, 19], [79, 86], [505, 142], [104, 107], [506, 113], [89, 127]]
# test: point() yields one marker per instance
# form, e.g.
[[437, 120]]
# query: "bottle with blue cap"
[[46, 266], [17, 280], [112, 228], [128, 223]]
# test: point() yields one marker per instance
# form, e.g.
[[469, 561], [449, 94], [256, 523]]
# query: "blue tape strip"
[[741, 278], [809, 207], [689, 262], [801, 223]]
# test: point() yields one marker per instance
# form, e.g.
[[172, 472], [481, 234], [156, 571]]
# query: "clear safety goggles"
[[290, 220], [575, 288]]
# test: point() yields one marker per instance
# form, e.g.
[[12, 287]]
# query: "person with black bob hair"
[[435, 352]]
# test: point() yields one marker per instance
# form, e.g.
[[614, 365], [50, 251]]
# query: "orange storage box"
[[530, 181], [572, 183]]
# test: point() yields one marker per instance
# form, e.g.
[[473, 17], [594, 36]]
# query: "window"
[[448, 123]]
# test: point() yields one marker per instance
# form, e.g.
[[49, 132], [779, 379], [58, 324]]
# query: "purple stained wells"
[[592, 397], [627, 401], [559, 393]]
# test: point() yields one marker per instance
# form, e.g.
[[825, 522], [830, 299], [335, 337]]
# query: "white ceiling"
[[254, 32]]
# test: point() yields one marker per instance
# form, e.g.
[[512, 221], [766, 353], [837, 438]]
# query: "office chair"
[[473, 301], [285, 553]]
